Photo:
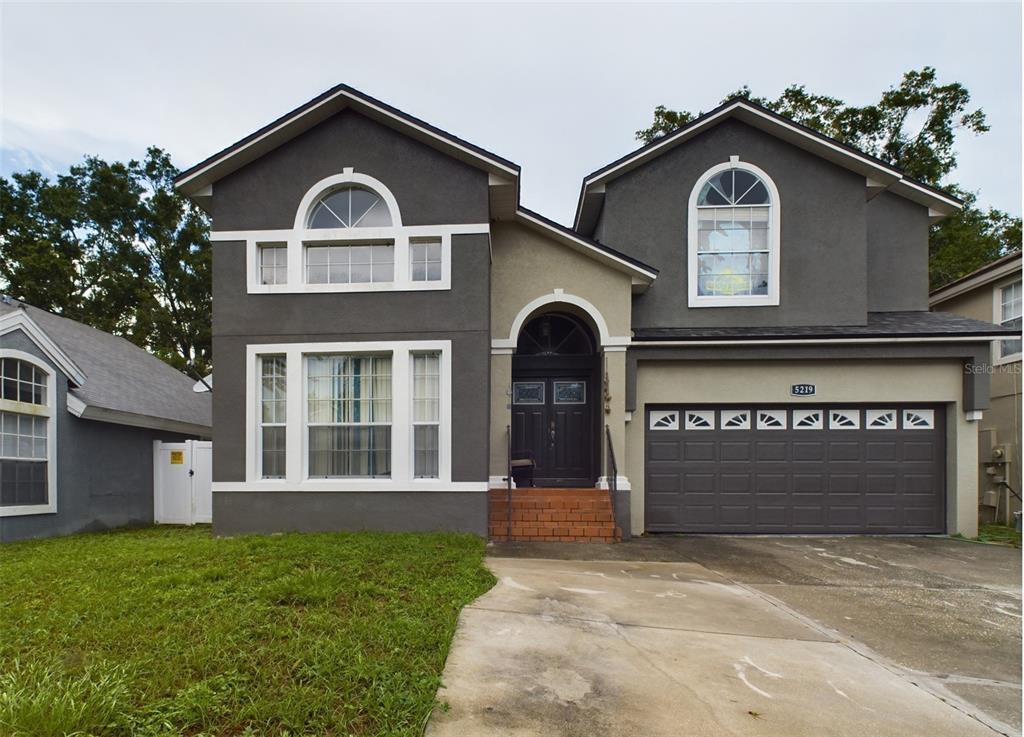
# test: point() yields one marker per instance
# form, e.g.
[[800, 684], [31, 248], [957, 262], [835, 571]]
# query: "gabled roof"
[[113, 380], [878, 174], [998, 269], [197, 180], [641, 273]]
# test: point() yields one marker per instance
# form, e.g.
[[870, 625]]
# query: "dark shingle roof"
[[121, 376], [879, 325]]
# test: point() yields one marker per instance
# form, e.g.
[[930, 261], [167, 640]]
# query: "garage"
[[798, 469]]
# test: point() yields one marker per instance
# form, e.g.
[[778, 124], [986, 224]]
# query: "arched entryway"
[[556, 390]]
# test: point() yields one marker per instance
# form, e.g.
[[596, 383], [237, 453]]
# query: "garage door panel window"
[[735, 419], [880, 419], [918, 419], [700, 420], [844, 419], [661, 420], [771, 419], [807, 419]]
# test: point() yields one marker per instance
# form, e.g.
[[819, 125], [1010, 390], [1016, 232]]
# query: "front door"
[[555, 388], [553, 422]]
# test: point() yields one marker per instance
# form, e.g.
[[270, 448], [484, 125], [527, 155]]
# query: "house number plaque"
[[803, 390]]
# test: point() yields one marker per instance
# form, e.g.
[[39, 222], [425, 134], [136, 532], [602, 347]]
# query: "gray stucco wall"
[[461, 315], [430, 187], [104, 471], [897, 233], [824, 254], [236, 513]]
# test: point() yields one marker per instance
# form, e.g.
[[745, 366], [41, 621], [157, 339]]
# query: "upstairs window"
[[351, 207], [1009, 316], [733, 238]]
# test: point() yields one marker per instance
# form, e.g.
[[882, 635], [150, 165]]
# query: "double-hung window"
[[349, 416], [1008, 301], [426, 414], [26, 438], [273, 415]]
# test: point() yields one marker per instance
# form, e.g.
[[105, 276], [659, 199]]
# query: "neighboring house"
[[80, 410], [993, 292], [741, 310]]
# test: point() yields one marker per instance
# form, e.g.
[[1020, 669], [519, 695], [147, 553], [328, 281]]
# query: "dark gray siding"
[[897, 254], [461, 315], [104, 471], [824, 256], [430, 188], [236, 513]]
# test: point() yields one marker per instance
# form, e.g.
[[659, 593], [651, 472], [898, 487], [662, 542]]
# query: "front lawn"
[[169, 631]]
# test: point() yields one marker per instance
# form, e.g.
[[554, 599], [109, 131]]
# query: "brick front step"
[[550, 515]]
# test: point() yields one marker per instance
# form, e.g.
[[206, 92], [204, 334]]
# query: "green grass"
[[169, 631], [999, 534]]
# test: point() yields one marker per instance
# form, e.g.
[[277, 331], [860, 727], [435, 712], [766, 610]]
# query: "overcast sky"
[[559, 89]]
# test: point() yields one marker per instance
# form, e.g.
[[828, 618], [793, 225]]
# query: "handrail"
[[612, 472], [508, 481]]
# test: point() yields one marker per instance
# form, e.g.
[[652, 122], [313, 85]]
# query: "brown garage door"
[[796, 469]]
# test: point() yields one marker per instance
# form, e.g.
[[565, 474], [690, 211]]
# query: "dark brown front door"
[[552, 420], [555, 388]]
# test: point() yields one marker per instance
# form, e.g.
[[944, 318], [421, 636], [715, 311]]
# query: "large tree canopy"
[[913, 126], [114, 246]]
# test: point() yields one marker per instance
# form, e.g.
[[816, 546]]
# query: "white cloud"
[[558, 89]]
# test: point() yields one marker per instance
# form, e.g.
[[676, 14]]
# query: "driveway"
[[751, 636]]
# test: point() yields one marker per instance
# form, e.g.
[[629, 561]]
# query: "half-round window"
[[734, 258], [350, 207]]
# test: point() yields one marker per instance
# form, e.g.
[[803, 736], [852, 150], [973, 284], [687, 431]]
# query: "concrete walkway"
[[649, 648]]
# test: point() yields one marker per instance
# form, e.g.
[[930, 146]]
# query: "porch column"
[[501, 414], [614, 416]]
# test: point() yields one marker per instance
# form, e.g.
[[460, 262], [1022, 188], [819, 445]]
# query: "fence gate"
[[182, 477]]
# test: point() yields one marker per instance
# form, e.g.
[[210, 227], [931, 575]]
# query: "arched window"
[[350, 207], [734, 238]]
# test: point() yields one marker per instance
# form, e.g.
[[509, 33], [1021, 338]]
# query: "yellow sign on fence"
[[177, 457]]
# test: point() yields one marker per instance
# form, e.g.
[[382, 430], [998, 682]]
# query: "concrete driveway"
[[751, 636]]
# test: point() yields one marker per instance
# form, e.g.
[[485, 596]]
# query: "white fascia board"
[[1010, 268], [19, 320], [77, 407], [195, 181], [878, 173], [588, 248]]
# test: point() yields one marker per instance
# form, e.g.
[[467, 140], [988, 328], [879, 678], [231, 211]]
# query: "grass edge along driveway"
[[170, 631]]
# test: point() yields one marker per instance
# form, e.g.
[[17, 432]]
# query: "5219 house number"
[[803, 390]]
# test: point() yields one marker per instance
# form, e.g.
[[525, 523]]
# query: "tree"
[[114, 246], [925, 152]]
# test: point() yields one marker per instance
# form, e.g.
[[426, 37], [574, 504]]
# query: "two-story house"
[[739, 316]]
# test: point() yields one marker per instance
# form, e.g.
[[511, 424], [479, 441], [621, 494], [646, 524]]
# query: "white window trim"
[[402, 476], [299, 236], [51, 434], [997, 318], [774, 245]]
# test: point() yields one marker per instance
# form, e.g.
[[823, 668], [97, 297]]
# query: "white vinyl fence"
[[182, 478]]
